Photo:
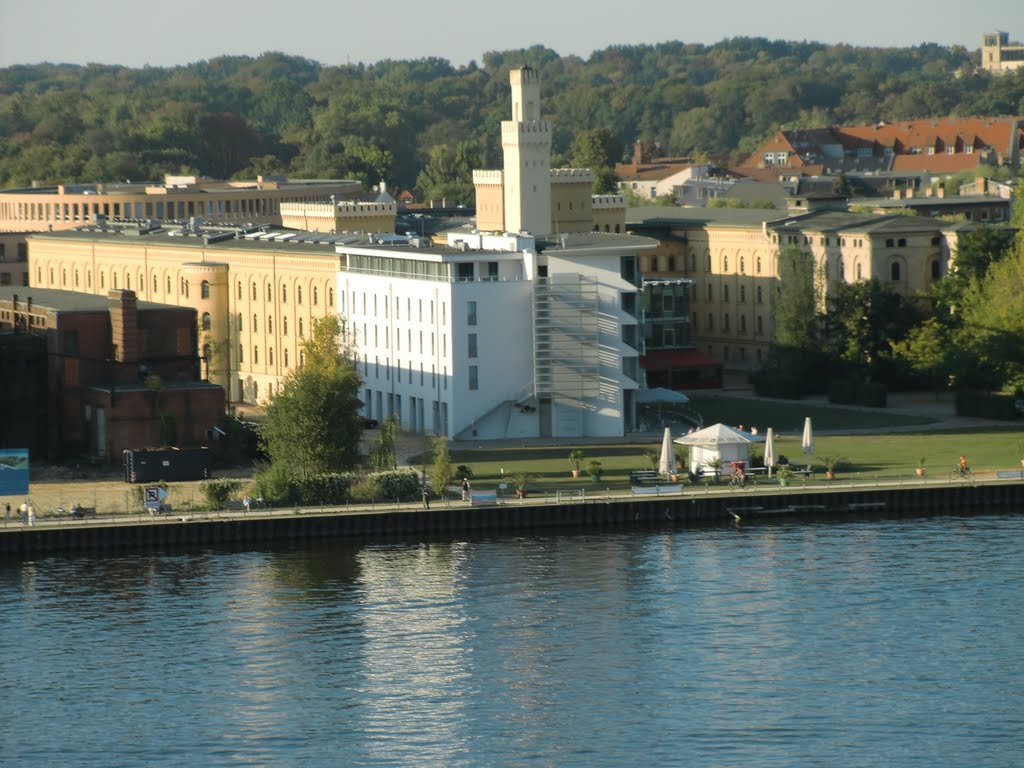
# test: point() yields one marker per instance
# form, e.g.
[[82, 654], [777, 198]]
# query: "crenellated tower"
[[526, 143]]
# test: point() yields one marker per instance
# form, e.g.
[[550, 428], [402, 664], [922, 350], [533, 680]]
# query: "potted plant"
[[594, 467], [576, 457], [521, 479], [831, 464], [784, 473], [715, 465], [920, 467]]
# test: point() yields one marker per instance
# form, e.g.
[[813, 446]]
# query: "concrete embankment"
[[593, 514]]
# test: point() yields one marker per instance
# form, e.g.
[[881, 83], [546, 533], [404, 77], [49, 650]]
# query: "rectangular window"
[[471, 313], [472, 345], [474, 381]]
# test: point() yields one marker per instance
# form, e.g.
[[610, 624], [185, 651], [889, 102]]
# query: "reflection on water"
[[875, 643]]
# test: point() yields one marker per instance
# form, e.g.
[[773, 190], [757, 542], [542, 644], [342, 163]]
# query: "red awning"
[[677, 358]]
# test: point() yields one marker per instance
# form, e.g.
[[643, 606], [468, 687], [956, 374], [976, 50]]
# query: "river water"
[[873, 643]]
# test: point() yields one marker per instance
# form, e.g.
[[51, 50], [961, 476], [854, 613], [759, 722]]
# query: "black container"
[[171, 465]]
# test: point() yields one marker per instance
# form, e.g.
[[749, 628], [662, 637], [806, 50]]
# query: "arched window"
[[128, 279], [894, 271], [239, 290], [760, 325], [760, 295], [254, 291], [142, 282], [284, 330], [270, 323], [330, 297], [206, 354], [757, 266], [316, 297], [284, 294], [936, 273], [270, 352], [725, 263], [156, 285], [298, 294], [76, 278], [51, 275], [270, 293], [63, 277], [743, 294], [300, 328], [858, 272], [725, 293], [206, 321], [88, 278], [103, 280], [114, 278], [743, 323], [255, 355], [707, 262], [204, 289], [743, 265], [286, 358], [255, 325], [238, 323], [168, 285]]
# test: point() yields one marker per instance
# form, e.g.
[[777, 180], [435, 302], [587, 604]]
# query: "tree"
[[993, 322], [929, 350], [796, 308], [596, 148], [448, 174], [442, 473], [383, 457], [312, 423]]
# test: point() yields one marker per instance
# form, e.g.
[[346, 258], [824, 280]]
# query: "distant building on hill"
[[940, 147], [999, 55]]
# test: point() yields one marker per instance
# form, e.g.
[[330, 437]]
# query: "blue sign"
[[14, 472]]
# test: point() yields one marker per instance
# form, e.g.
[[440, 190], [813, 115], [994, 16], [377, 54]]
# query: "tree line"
[[426, 123]]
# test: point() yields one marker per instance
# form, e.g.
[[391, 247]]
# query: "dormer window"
[[969, 149]]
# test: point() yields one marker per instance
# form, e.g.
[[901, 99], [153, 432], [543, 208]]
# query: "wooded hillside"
[[241, 116]]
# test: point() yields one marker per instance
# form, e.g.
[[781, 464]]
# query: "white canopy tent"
[[718, 442]]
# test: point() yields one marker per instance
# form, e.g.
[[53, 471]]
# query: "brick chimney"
[[638, 154], [124, 325]]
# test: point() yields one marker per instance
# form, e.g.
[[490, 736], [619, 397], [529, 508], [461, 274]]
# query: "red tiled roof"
[[653, 171], [940, 162]]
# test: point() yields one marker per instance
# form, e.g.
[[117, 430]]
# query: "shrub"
[[398, 485], [217, 493], [985, 405], [778, 385], [276, 484]]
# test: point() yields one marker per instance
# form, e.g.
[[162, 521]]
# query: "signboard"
[[14, 472], [153, 496]]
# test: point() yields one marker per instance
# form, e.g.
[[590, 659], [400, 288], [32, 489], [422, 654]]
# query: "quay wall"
[[594, 514]]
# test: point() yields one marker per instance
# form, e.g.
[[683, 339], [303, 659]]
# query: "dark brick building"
[[115, 373]]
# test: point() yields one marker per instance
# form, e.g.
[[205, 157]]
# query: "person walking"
[[426, 494], [465, 489]]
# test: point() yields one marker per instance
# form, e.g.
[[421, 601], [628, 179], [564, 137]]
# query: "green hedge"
[[856, 392], [985, 405], [777, 385]]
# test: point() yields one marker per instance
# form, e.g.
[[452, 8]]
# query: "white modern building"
[[515, 332]]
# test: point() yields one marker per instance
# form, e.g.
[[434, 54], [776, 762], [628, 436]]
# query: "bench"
[[233, 506], [641, 476]]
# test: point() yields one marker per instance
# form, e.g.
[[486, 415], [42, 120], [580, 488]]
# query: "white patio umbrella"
[[667, 464], [807, 443], [769, 450]]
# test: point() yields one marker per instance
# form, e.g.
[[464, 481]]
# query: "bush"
[[276, 484], [329, 488], [779, 385], [856, 392], [217, 493], [399, 485], [985, 405]]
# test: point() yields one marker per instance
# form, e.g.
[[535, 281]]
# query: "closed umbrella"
[[667, 464], [769, 450], [807, 443]]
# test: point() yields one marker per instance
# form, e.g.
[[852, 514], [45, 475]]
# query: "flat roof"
[[73, 301]]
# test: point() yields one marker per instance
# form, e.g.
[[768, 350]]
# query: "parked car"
[[370, 423]]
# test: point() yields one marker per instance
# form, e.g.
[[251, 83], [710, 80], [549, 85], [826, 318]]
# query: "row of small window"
[[370, 301], [207, 322], [473, 373], [725, 264], [409, 373], [7, 278], [727, 326], [741, 356], [207, 355], [22, 251], [409, 339], [758, 293], [284, 293]]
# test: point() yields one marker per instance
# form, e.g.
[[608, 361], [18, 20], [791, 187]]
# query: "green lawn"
[[788, 417], [869, 457]]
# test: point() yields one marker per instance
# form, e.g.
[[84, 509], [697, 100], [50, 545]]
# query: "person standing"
[[426, 494], [465, 489], [7, 512], [31, 515]]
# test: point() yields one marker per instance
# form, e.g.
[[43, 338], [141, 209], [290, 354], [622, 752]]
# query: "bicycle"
[[961, 473], [741, 481]]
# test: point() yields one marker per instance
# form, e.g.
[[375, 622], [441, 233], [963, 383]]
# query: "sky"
[[336, 32]]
